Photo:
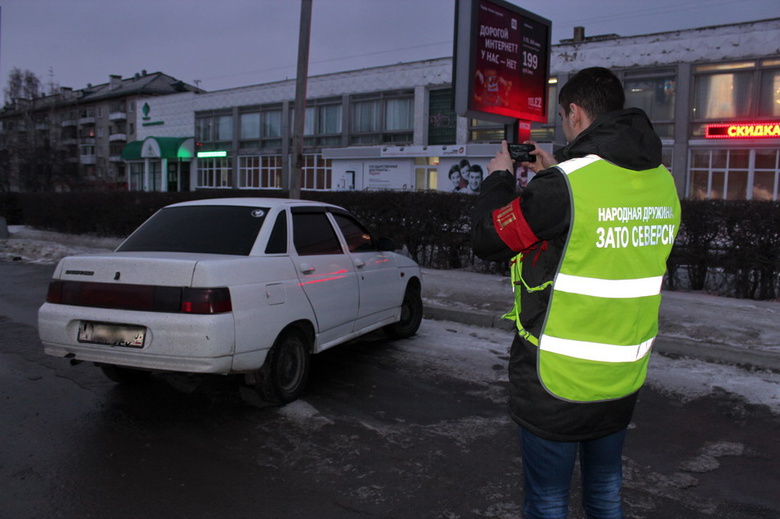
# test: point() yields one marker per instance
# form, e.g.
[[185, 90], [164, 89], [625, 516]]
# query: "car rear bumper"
[[173, 342]]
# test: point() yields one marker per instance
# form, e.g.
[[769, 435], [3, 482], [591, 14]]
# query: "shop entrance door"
[[426, 178]]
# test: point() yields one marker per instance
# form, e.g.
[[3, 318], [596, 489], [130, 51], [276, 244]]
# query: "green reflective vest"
[[603, 313]]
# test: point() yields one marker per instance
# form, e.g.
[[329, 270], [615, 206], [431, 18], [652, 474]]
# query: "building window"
[[426, 173], [214, 172], [766, 175], [656, 96], [366, 116], [724, 91], [486, 131], [250, 126], [203, 129], [136, 180], [322, 124], [271, 129], [769, 97], [316, 173], [214, 131], [442, 121], [399, 114], [224, 128], [322, 120], [734, 174], [261, 129], [260, 172], [382, 118]]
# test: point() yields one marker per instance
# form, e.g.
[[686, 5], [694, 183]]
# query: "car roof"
[[270, 203]]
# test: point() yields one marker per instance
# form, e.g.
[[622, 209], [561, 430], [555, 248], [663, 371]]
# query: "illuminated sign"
[[742, 130], [502, 62], [211, 154]]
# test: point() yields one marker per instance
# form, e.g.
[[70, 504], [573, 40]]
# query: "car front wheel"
[[411, 314], [286, 368]]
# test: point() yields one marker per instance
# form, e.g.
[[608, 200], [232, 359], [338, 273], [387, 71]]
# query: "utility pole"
[[300, 100]]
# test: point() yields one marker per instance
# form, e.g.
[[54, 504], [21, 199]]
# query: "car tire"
[[286, 369], [411, 314], [127, 376]]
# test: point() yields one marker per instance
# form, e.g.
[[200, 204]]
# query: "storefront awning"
[[160, 148]]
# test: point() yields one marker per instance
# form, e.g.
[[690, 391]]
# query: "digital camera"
[[522, 152]]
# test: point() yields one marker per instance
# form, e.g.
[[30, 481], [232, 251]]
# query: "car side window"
[[357, 237], [313, 234], [277, 242]]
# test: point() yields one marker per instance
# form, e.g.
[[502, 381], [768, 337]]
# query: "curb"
[[664, 344]]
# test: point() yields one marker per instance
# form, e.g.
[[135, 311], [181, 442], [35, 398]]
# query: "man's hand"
[[502, 161], [544, 159]]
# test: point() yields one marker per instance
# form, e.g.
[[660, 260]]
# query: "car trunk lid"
[[126, 268]]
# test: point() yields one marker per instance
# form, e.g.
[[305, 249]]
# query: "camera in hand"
[[522, 152]]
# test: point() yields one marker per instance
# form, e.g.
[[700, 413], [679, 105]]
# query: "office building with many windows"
[[713, 94]]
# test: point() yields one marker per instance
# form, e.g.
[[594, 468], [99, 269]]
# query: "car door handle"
[[306, 268], [360, 263]]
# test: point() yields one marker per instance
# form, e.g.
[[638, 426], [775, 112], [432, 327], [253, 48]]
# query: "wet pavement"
[[387, 429]]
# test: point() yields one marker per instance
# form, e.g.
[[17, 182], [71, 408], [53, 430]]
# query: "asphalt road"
[[384, 431]]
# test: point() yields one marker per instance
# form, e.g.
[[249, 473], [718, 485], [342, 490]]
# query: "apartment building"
[[73, 139]]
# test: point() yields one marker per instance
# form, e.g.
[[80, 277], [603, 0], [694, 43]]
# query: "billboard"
[[501, 62]]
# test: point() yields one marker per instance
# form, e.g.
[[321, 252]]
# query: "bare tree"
[[27, 159], [23, 86]]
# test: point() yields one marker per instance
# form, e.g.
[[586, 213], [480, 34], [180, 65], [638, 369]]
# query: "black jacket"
[[625, 138]]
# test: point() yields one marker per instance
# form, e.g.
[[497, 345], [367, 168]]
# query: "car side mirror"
[[386, 244]]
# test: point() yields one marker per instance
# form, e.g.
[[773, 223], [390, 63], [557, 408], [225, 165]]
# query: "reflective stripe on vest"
[[602, 318], [615, 288], [597, 351]]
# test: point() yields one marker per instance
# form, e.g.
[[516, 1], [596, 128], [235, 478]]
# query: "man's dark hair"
[[597, 90]]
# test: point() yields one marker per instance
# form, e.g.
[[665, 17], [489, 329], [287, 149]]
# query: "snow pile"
[[43, 247]]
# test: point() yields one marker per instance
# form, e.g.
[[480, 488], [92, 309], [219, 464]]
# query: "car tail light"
[[206, 301], [54, 295], [146, 298]]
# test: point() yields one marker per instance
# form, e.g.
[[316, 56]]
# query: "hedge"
[[723, 247]]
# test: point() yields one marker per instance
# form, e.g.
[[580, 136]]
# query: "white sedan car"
[[244, 285]]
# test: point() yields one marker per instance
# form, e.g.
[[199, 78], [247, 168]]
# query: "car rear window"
[[201, 229]]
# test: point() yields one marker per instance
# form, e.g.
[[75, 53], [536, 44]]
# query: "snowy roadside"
[[44, 247], [473, 352]]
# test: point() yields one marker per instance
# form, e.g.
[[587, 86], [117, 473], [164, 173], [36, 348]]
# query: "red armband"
[[512, 228]]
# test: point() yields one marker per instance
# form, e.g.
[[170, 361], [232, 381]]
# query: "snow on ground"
[[45, 247], [479, 355]]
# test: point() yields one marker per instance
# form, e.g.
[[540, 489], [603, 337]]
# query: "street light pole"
[[300, 100]]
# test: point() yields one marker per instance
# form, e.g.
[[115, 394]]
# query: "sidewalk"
[[693, 324]]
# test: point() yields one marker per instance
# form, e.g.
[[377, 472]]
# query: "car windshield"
[[202, 229]]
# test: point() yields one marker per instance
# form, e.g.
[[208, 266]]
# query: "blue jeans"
[[548, 467]]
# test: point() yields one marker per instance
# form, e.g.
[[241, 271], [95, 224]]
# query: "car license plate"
[[112, 334]]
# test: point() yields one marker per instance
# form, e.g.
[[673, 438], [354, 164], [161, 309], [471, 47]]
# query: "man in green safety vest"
[[588, 240]]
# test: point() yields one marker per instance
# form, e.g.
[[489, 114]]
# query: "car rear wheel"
[[411, 314], [122, 375], [286, 369]]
